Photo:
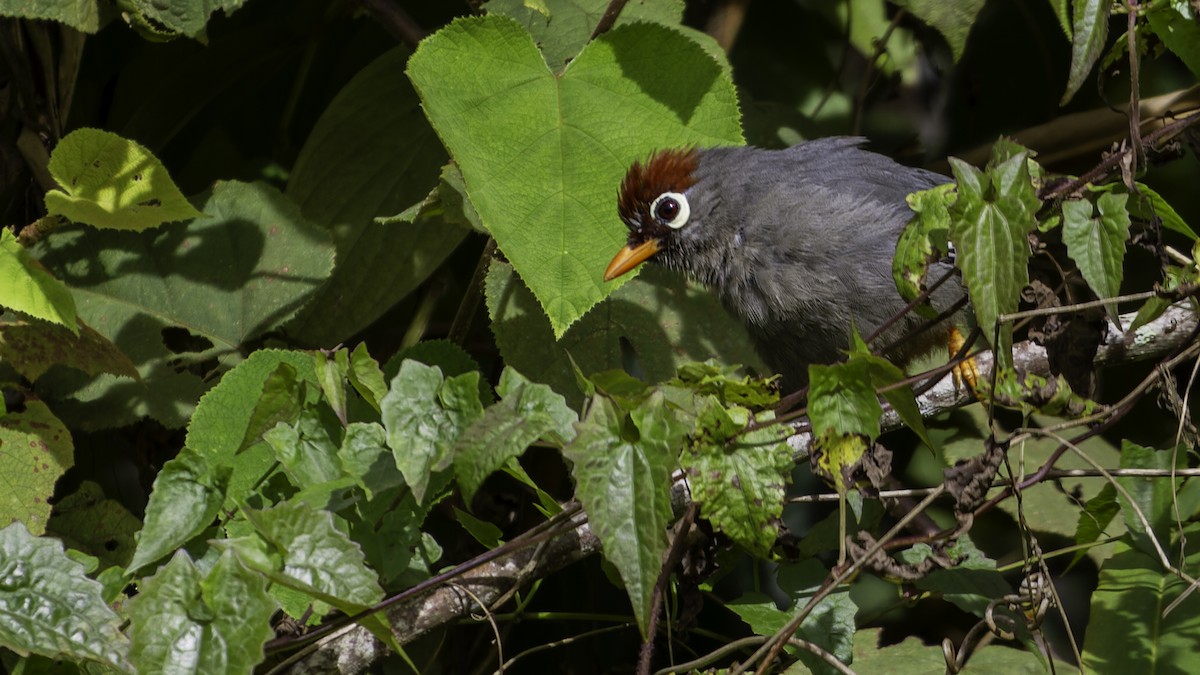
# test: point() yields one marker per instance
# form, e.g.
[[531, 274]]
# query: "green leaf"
[[363, 445], [739, 479], [922, 242], [36, 449], [85, 16], [447, 201], [50, 607], [1089, 31], [1148, 205], [1154, 497], [27, 287], [712, 379], [371, 153], [1174, 277], [306, 450], [185, 500], [830, 624], [841, 399], [990, 223], [31, 347], [178, 17], [563, 30], [1175, 23], [112, 182], [525, 413], [884, 373], [315, 556], [1127, 632], [331, 374], [183, 621], [424, 416], [651, 325], [914, 657], [1097, 245], [1062, 11], [452, 359], [279, 402], [218, 283], [1097, 514], [971, 584], [87, 521], [388, 527], [952, 19], [487, 534], [366, 376], [225, 416], [541, 155], [622, 478]]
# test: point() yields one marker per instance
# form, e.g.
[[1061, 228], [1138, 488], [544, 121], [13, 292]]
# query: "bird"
[[797, 243]]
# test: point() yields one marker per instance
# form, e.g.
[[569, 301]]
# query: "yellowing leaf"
[[112, 182]]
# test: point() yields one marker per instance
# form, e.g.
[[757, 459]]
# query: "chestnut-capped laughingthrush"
[[798, 243]]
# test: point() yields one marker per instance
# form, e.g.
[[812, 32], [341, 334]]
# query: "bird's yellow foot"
[[967, 371]]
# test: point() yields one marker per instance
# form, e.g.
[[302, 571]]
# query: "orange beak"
[[630, 257]]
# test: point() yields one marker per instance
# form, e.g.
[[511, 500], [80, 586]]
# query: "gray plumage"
[[798, 243]]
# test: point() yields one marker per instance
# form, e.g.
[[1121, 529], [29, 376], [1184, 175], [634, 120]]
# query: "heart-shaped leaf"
[[542, 155]]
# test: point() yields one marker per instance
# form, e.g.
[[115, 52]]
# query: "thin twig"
[[608, 19], [395, 20], [772, 647]]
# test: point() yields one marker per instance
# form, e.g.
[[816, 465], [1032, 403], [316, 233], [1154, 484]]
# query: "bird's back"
[[813, 231]]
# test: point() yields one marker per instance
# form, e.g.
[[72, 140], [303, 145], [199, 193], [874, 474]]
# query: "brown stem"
[[610, 17]]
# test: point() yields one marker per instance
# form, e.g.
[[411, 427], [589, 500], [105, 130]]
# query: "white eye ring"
[[675, 209]]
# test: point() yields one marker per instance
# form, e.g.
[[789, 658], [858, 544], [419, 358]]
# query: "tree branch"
[[355, 649]]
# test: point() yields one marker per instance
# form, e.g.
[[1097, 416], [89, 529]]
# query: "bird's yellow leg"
[[966, 372]]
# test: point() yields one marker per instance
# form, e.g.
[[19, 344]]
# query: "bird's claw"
[[966, 372]]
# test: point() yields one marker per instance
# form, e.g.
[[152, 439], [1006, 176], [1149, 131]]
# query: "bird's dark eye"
[[671, 209], [667, 210]]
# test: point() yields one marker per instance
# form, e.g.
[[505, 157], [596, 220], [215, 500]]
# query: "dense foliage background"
[[308, 365]]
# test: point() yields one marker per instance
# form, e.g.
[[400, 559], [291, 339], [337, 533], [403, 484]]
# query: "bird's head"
[[653, 203]]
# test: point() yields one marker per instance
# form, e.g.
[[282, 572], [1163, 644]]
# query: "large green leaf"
[[177, 296], [48, 606], [565, 26], [652, 325], [371, 154], [1127, 632], [542, 155], [35, 450], [112, 182], [624, 486]]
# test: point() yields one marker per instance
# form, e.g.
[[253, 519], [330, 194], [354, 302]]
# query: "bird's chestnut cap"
[[655, 185]]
